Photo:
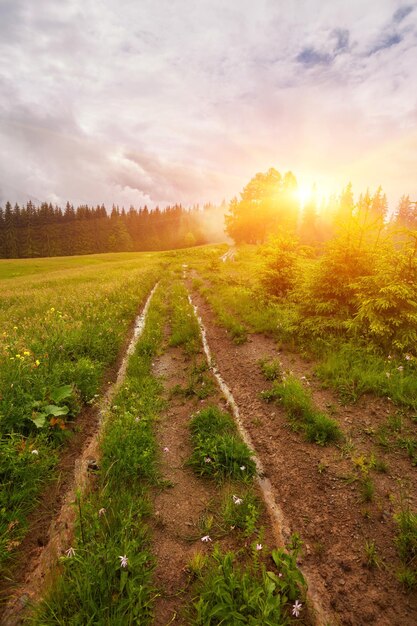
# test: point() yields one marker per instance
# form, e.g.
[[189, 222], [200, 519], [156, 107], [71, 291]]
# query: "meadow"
[[62, 323], [328, 409]]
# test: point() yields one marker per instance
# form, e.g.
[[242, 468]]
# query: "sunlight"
[[304, 194]]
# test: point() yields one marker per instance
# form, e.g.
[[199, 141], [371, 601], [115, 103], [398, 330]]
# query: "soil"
[[313, 485], [179, 509]]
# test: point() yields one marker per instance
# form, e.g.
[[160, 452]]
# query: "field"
[[302, 509]]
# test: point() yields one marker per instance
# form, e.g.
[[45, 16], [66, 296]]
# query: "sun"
[[304, 194]]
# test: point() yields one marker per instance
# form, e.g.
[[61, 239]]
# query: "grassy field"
[[62, 323]]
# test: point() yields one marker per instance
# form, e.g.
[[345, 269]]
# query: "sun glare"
[[304, 194]]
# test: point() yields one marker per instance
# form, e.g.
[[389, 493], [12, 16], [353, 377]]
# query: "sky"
[[164, 101]]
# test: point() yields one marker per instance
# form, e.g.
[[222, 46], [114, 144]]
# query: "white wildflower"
[[243, 467], [296, 608], [35, 452], [70, 552], [259, 546], [237, 500], [206, 539], [123, 561], [101, 511]]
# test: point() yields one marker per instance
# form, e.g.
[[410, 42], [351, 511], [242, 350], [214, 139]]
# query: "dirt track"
[[311, 486]]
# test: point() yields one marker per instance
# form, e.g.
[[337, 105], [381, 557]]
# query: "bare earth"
[[311, 486]]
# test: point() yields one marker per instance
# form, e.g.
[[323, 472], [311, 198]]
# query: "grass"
[[58, 334], [372, 559], [298, 403], [271, 369], [218, 451], [228, 593], [350, 366], [199, 385], [406, 542], [96, 585], [355, 370], [185, 331]]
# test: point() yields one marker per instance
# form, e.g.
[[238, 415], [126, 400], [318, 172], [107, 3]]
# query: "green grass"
[[185, 331], [94, 586], [354, 370], [271, 369], [298, 403], [227, 592], [62, 323], [406, 542], [218, 451]]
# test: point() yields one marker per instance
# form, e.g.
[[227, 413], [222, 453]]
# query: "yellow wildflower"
[[26, 353]]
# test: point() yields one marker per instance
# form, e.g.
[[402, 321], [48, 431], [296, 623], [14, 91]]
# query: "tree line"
[[47, 230], [269, 205]]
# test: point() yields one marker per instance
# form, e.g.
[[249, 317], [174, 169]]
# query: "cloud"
[[309, 57], [386, 41], [178, 101], [401, 13]]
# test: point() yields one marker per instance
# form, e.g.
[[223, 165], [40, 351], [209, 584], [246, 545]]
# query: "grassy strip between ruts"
[[106, 575], [248, 585]]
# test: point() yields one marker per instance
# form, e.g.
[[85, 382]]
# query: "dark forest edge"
[[46, 230]]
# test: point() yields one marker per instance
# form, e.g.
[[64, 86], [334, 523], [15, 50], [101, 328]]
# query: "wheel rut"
[[309, 483]]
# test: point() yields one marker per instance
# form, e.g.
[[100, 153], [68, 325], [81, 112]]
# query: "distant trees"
[[47, 230], [267, 203]]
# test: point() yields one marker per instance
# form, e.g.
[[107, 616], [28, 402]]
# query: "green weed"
[[271, 369], [240, 511], [318, 427], [371, 555], [218, 452], [227, 593]]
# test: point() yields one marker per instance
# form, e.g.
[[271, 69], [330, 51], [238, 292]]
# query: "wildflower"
[[237, 500], [14, 327], [400, 368], [166, 449], [37, 362], [243, 467], [206, 539], [35, 452], [70, 552], [52, 309], [101, 511], [389, 357], [26, 353], [388, 374], [123, 561], [296, 608], [207, 459], [137, 419], [280, 575], [259, 546], [408, 357]]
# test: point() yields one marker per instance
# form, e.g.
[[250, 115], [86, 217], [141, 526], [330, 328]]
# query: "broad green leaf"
[[61, 393]]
